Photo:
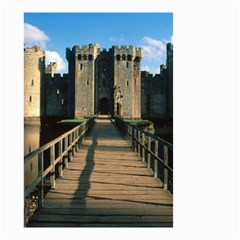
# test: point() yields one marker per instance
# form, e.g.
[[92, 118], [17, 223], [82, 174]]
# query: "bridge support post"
[[65, 147], [165, 182], [60, 169], [135, 139], [149, 154], [156, 160], [143, 149], [71, 149], [41, 184], [139, 140], [52, 172]]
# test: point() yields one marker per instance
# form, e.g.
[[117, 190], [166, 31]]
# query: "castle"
[[98, 82]]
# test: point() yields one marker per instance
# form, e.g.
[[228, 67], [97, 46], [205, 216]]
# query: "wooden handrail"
[[148, 147], [67, 143]]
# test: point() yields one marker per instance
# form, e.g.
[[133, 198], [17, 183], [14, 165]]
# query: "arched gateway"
[[104, 106]]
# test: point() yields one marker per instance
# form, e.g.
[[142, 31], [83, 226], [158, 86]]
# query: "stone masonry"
[[98, 81]]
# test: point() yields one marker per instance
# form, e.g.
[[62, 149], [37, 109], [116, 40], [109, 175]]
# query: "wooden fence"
[[53, 156], [154, 151]]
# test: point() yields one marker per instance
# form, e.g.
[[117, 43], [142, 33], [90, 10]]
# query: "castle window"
[[79, 57], [126, 64], [127, 83], [62, 101], [87, 82], [137, 59], [80, 66], [90, 57], [57, 91], [30, 99], [129, 57], [32, 83], [123, 57], [118, 57], [84, 57]]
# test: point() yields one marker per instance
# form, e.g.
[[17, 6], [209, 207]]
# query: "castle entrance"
[[104, 106]]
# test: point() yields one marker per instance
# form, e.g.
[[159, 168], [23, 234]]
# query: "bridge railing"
[[154, 151], [53, 156]]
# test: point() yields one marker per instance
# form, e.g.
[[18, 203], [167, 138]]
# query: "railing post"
[[52, 172], [149, 154], [135, 139], [130, 135], [60, 169], [73, 146], [165, 181], [70, 150], [143, 149], [66, 158], [41, 184], [139, 140], [79, 139], [156, 160]]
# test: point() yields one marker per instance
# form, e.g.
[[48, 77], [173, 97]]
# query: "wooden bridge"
[[106, 184]]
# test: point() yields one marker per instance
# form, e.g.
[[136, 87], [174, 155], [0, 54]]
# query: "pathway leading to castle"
[[106, 185]]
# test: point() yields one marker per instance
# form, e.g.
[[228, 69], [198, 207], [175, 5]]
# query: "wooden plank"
[[101, 219], [107, 173], [104, 186], [164, 202], [106, 212], [110, 191], [73, 184], [130, 197], [103, 205], [47, 224]]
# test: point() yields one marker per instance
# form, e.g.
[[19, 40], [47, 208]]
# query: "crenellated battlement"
[[34, 50], [131, 50]]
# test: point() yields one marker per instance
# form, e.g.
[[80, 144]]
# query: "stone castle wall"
[[127, 75], [56, 95], [34, 67], [89, 87], [153, 96]]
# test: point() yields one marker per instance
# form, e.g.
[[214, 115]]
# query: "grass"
[[135, 121], [75, 120]]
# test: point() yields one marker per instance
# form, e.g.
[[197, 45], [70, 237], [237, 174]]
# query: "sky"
[[54, 32]]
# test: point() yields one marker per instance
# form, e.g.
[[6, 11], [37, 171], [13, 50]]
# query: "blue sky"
[[54, 32]]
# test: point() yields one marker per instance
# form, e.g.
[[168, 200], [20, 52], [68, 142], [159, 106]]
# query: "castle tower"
[[34, 70], [51, 68], [104, 103], [127, 81], [81, 76], [170, 78]]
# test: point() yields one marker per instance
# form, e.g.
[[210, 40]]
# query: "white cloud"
[[52, 56], [34, 36], [153, 48]]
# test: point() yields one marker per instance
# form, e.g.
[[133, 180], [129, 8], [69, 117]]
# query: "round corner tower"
[[34, 71]]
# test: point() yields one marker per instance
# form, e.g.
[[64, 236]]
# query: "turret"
[[34, 70]]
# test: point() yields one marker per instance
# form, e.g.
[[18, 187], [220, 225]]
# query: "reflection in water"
[[36, 136], [31, 143]]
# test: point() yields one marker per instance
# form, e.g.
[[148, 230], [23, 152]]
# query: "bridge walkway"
[[106, 185]]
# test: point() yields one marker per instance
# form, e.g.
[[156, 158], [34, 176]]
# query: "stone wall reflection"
[[31, 143]]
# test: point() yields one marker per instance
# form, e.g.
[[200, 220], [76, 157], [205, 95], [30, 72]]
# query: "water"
[[36, 136], [163, 128]]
